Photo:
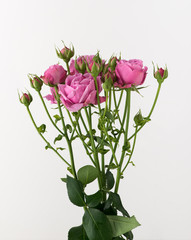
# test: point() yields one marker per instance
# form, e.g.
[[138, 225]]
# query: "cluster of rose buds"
[[86, 76]]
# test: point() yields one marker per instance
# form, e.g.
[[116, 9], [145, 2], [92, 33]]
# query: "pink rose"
[[51, 97], [81, 61], [79, 91], [161, 71], [54, 75], [130, 73]]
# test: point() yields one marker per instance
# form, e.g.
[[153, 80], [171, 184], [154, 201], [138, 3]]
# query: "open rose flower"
[[79, 91], [54, 75], [130, 73]]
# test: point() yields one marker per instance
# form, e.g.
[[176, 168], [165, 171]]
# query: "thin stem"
[[97, 91], [48, 144], [68, 68], [80, 136], [49, 113], [150, 113], [121, 130], [84, 122], [66, 135], [94, 149], [125, 141], [117, 106], [132, 150]]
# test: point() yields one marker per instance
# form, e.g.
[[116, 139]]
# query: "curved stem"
[[68, 68], [66, 135], [130, 156], [125, 141], [150, 113], [48, 144], [97, 91], [49, 114]]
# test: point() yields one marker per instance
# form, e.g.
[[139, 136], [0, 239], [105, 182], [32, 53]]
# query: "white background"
[[33, 201]]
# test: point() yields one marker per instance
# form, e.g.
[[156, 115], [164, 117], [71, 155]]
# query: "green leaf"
[[109, 115], [116, 200], [101, 141], [75, 191], [57, 118], [109, 180], [58, 138], [69, 127], [87, 174], [60, 148], [64, 180], [103, 150], [97, 225], [77, 233], [47, 146], [42, 128], [121, 225], [94, 199]]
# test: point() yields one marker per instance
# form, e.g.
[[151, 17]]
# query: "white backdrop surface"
[[33, 201]]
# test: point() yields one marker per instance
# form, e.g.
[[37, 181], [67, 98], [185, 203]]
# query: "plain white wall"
[[33, 201]]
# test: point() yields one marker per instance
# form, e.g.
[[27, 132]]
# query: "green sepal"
[[75, 191], [57, 118]]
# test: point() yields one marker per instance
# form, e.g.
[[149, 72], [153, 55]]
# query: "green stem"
[[80, 135], [94, 149], [48, 144], [66, 135], [121, 130], [97, 91], [117, 106], [132, 150], [125, 141], [49, 113], [150, 113], [68, 68]]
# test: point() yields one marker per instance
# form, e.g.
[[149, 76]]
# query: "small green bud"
[[26, 99], [35, 82], [161, 74]]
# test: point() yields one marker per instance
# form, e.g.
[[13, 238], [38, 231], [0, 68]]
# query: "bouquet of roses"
[[87, 99]]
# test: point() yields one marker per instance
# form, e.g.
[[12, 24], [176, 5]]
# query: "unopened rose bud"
[[36, 83], [112, 63], [65, 53], [161, 74], [108, 81], [26, 99], [80, 64]]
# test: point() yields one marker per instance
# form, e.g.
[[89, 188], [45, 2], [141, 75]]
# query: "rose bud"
[[80, 64], [161, 74], [36, 83], [113, 63], [108, 81], [54, 75], [130, 73], [26, 99], [66, 53]]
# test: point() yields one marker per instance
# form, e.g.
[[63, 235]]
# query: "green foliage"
[[77, 233], [75, 191], [69, 127], [57, 118], [42, 128], [109, 180], [121, 225], [87, 174], [97, 225], [58, 138], [94, 199]]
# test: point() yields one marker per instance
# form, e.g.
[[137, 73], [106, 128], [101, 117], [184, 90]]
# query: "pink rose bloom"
[[80, 60], [51, 97], [54, 75], [79, 91], [130, 73]]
